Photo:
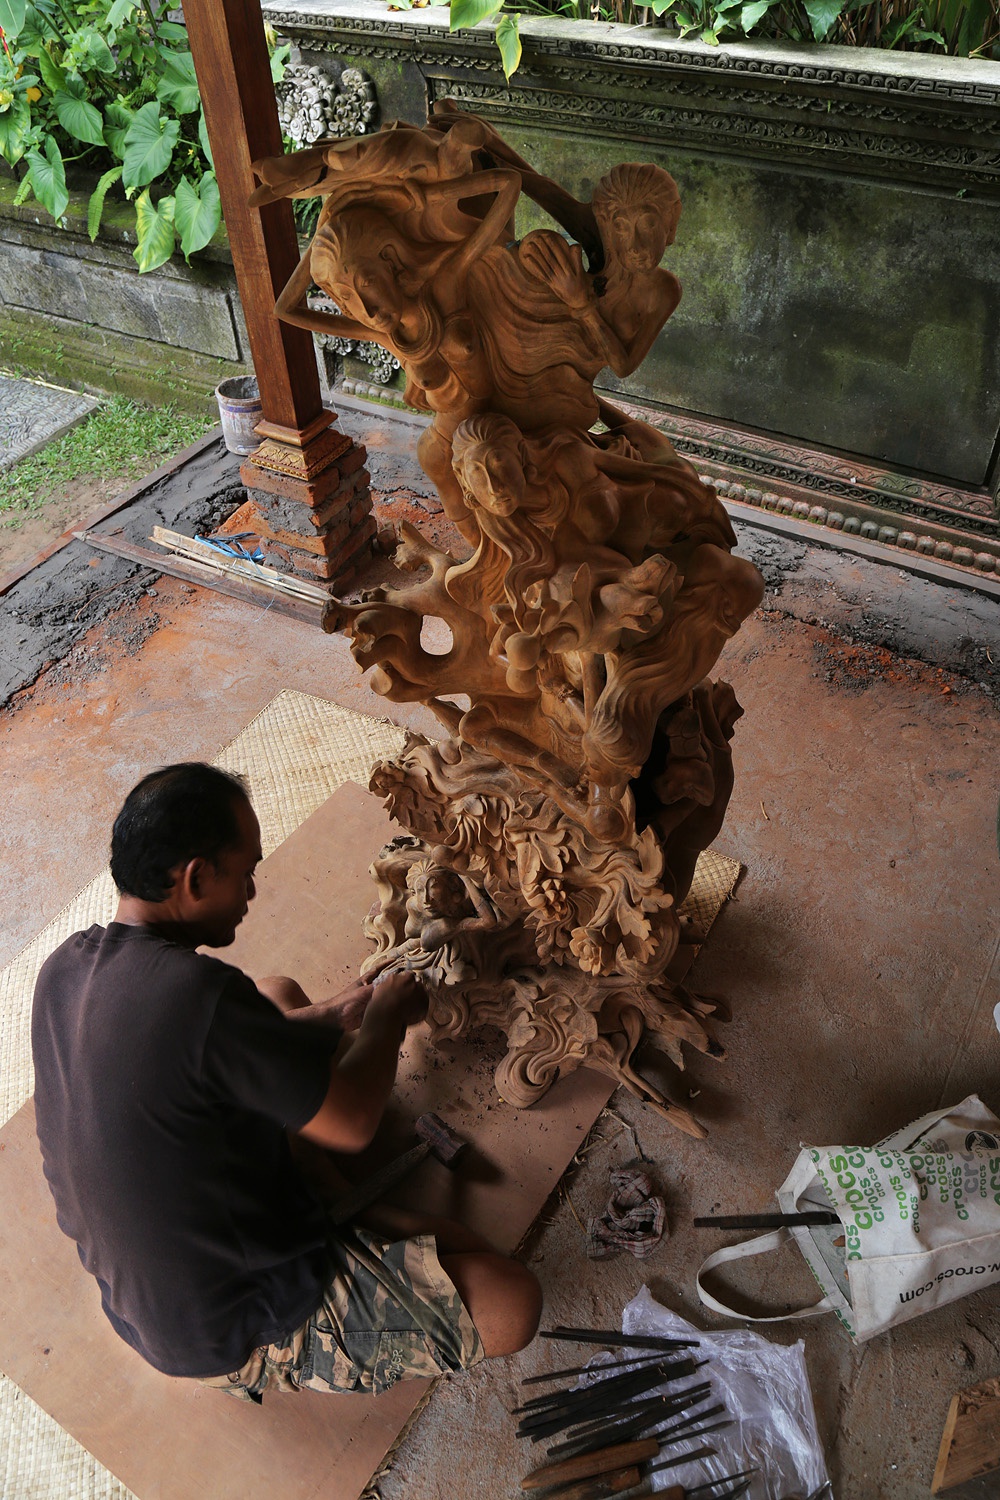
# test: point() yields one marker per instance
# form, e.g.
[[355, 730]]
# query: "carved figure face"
[[444, 894], [496, 479], [640, 239], [358, 266]]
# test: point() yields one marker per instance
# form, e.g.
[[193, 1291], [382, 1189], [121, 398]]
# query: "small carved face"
[[444, 894], [358, 268], [369, 293], [496, 479], [640, 239]]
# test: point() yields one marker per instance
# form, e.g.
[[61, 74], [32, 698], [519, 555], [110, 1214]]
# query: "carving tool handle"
[[366, 1193], [588, 1465], [602, 1485]]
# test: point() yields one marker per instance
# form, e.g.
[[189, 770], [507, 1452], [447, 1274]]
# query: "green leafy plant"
[[120, 440], [108, 87], [961, 27]]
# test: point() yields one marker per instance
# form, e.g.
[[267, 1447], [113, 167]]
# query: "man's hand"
[[404, 992], [346, 1010]]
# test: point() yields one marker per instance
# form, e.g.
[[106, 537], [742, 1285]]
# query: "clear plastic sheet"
[[765, 1389]]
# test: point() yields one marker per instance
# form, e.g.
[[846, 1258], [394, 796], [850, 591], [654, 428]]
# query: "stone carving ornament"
[[312, 106], [553, 833]]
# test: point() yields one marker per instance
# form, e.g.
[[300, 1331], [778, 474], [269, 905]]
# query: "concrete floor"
[[860, 955]]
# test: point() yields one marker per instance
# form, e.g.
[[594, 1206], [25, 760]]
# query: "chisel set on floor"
[[608, 1430]]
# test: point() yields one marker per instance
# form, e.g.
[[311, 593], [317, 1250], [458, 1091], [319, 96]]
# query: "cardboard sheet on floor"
[[174, 1440]]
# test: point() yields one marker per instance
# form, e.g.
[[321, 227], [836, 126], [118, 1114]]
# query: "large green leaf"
[[12, 14], [465, 13], [120, 11], [149, 145], [98, 54], [509, 42], [822, 14], [197, 213], [48, 178], [178, 84], [52, 74], [155, 227], [279, 61], [117, 119], [977, 26], [15, 129], [170, 31], [78, 118], [96, 205], [751, 14], [36, 31]]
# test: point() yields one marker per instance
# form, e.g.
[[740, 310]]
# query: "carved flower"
[[554, 899], [588, 949]]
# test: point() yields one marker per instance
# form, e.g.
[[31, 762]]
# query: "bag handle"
[[758, 1246]]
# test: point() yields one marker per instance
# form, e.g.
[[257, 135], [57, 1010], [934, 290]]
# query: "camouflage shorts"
[[389, 1312]]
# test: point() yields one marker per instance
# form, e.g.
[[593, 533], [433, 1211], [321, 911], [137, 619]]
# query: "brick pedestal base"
[[310, 507]]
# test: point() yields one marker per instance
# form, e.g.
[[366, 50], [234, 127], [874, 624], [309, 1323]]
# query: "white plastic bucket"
[[240, 411]]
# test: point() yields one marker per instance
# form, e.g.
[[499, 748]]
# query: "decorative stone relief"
[[766, 101], [312, 107], [552, 836]]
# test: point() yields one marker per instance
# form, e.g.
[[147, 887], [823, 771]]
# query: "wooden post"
[[301, 460], [234, 76]]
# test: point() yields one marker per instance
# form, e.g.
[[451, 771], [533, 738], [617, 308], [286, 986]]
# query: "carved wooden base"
[[517, 916]]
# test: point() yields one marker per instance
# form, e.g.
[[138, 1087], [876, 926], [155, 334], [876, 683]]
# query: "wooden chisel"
[[589, 1465], [623, 1480], [618, 1456]]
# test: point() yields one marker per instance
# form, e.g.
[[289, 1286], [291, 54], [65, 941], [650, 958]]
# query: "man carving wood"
[[167, 1084]]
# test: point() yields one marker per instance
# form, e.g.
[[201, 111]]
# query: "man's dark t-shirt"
[[164, 1084]]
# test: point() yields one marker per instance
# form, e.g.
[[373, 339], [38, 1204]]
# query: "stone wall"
[[839, 245], [79, 314]]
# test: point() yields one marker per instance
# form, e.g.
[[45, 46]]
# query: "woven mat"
[[294, 755]]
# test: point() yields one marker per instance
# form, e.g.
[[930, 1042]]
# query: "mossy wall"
[[853, 315], [80, 315]]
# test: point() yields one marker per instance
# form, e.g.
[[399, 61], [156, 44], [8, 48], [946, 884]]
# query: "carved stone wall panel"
[[745, 464], [859, 111]]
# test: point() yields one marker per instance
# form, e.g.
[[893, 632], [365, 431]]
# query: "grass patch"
[[120, 440]]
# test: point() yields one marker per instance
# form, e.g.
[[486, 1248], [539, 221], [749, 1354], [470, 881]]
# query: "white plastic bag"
[[919, 1221], [765, 1390]]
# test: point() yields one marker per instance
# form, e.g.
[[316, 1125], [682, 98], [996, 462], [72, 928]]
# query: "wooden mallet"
[[436, 1139]]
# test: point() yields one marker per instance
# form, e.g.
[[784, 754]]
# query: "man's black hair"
[[174, 815]]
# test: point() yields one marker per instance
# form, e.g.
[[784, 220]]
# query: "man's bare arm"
[[363, 1069]]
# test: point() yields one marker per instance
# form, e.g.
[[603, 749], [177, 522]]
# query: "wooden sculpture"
[[553, 834]]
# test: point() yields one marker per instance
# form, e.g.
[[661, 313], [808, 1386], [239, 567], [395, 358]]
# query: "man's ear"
[[189, 881]]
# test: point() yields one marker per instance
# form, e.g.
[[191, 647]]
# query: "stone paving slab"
[[32, 414]]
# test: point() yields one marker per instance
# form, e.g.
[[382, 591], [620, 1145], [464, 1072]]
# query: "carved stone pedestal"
[[310, 505]]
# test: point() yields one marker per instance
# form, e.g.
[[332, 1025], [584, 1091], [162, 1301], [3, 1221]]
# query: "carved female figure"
[[447, 916], [394, 253]]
